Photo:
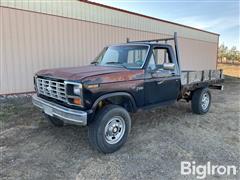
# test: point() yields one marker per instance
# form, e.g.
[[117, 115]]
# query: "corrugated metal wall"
[[32, 41], [88, 12]]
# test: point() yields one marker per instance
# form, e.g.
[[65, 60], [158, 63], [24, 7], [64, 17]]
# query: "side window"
[[161, 56], [158, 58]]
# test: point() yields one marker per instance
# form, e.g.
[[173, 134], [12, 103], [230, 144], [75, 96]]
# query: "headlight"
[[77, 89], [74, 93]]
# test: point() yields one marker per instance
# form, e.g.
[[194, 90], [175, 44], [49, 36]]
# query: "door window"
[[158, 58]]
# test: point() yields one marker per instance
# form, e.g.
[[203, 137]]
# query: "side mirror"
[[169, 66]]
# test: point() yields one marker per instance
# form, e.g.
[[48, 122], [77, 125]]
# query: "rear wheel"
[[201, 101], [110, 129], [54, 121]]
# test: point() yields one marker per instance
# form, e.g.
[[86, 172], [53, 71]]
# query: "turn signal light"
[[77, 101]]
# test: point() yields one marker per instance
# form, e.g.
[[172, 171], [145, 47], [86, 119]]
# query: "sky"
[[219, 16]]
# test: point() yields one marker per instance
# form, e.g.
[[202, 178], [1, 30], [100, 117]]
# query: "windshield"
[[128, 56]]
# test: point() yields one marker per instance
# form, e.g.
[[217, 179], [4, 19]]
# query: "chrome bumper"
[[68, 115]]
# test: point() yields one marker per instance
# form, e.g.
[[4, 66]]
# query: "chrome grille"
[[53, 89]]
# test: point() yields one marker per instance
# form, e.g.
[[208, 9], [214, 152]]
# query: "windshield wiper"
[[113, 62], [94, 62]]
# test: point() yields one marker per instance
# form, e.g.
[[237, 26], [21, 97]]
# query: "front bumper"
[[68, 115]]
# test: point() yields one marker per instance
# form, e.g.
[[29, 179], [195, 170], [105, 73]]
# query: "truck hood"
[[84, 72]]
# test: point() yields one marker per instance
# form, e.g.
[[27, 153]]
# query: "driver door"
[[160, 85]]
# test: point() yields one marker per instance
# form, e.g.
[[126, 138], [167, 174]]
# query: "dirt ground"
[[160, 139], [230, 69]]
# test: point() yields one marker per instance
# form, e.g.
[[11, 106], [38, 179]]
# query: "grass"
[[230, 69]]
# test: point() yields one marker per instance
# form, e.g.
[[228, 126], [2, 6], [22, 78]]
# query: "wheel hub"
[[205, 101], [114, 130]]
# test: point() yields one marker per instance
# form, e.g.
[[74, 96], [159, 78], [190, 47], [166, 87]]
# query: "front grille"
[[53, 89]]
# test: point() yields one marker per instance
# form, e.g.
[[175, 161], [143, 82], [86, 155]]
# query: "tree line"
[[228, 55]]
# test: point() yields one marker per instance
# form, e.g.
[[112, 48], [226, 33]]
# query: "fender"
[[105, 96]]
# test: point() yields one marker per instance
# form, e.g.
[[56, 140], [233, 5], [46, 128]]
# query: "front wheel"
[[110, 129], [201, 101]]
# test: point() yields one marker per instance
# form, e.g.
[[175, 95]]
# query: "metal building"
[[49, 34]]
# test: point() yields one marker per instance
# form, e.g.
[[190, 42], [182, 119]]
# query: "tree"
[[232, 54], [222, 51]]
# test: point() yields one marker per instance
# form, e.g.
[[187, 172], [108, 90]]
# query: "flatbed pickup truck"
[[123, 79]]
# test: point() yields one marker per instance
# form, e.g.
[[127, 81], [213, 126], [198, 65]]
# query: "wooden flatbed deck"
[[192, 80]]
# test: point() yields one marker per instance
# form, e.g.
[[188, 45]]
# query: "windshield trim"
[[137, 44]]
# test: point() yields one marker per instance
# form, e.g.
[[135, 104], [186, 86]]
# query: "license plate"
[[48, 110]]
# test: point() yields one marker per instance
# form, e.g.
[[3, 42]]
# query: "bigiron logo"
[[202, 171]]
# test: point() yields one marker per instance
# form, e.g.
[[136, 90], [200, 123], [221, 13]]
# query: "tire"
[[201, 101], [54, 121], [109, 130]]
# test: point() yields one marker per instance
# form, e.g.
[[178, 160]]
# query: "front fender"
[[115, 94]]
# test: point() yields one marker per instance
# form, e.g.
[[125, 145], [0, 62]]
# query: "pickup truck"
[[123, 79]]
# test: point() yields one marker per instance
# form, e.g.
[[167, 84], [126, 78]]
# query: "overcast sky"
[[220, 16]]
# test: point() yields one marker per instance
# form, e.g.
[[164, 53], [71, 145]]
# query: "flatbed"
[[191, 80]]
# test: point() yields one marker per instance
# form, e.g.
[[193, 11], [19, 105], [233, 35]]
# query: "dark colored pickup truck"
[[123, 79]]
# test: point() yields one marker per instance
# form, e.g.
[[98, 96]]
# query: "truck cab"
[[123, 79]]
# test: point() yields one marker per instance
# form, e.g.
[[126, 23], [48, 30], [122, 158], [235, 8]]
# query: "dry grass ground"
[[230, 70], [160, 139]]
